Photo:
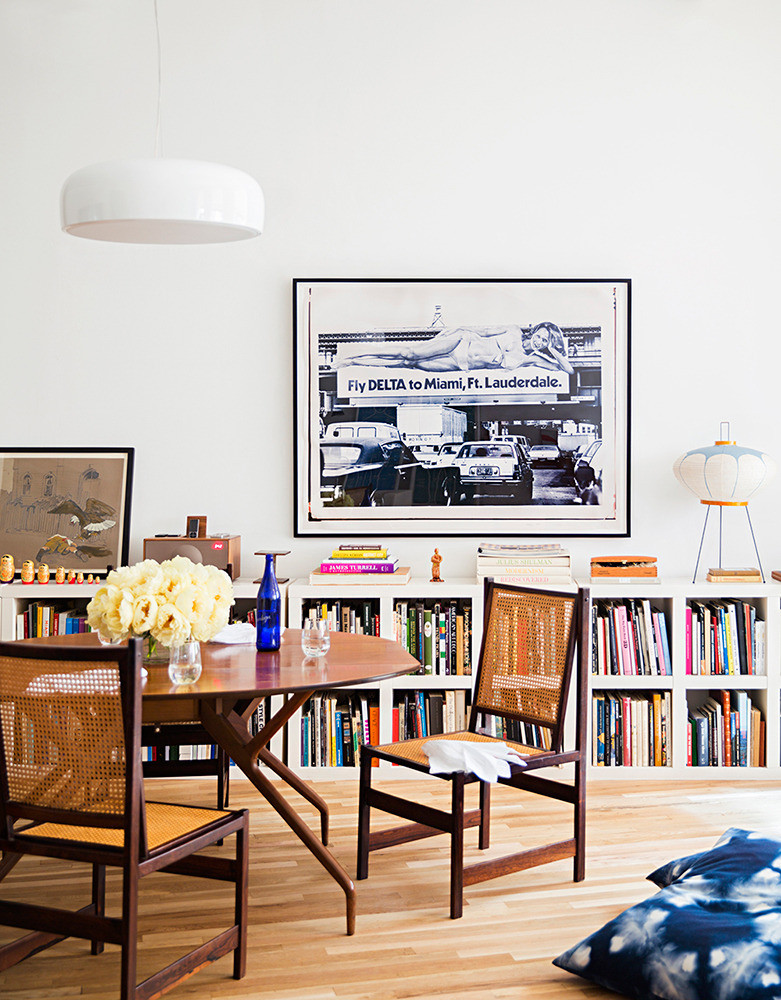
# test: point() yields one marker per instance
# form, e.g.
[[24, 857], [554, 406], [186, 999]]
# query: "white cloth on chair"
[[488, 761]]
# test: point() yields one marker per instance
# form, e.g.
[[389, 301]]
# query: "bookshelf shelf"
[[384, 597], [689, 691]]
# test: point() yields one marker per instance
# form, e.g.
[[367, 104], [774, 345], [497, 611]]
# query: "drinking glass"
[[315, 637], [184, 663]]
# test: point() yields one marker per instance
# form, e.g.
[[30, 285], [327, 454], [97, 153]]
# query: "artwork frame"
[[66, 506], [434, 362]]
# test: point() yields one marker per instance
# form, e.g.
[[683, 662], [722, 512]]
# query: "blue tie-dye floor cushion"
[[713, 932]]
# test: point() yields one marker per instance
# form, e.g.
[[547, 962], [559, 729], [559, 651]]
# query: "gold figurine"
[[436, 559]]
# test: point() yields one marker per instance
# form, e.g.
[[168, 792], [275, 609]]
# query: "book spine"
[[468, 638], [562, 572], [356, 566], [359, 554]]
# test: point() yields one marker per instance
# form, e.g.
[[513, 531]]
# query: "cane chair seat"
[[165, 822], [411, 751]]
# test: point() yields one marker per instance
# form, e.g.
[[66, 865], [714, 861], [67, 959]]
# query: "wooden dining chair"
[[527, 657], [71, 788]]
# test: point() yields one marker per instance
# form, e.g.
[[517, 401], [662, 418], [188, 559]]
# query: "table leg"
[[302, 787], [228, 734]]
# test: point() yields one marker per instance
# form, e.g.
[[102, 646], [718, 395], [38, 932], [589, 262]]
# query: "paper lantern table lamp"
[[724, 475]]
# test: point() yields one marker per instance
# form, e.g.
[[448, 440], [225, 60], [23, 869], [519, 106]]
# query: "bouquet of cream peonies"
[[171, 602]]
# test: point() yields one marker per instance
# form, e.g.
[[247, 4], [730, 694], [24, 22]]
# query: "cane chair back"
[[526, 657], [62, 740], [70, 737]]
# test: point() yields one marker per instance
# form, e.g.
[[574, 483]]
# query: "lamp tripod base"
[[702, 539]]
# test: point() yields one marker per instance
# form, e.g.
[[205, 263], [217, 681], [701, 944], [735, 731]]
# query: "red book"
[[725, 701]]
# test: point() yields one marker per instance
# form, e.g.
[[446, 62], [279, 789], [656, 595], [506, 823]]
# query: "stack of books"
[[721, 574], [360, 563], [522, 565]]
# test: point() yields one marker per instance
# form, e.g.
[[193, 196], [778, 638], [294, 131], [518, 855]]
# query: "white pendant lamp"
[[161, 200], [724, 475]]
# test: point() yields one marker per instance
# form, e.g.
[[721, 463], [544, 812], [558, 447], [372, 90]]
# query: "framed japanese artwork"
[[462, 406], [66, 506]]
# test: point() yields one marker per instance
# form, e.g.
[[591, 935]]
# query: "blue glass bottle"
[[268, 609]]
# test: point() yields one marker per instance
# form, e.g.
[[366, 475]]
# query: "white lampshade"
[[159, 200], [724, 474]]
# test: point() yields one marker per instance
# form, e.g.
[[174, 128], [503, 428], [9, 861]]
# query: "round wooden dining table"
[[233, 681]]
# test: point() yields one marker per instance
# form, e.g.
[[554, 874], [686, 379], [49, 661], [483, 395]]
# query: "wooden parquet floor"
[[405, 945]]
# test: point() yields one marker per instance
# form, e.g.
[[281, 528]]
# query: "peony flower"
[[144, 613], [171, 627]]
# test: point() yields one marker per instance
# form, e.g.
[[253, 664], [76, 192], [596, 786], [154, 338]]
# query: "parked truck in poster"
[[425, 427]]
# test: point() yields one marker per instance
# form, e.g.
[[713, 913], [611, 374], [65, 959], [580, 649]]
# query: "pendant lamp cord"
[[158, 129]]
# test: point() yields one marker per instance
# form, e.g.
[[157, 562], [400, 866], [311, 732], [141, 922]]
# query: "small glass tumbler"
[[184, 662], [315, 637]]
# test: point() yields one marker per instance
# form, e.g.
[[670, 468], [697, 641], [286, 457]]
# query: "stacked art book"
[[522, 565], [361, 562]]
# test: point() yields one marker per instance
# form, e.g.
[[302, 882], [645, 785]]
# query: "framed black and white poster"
[[462, 406]]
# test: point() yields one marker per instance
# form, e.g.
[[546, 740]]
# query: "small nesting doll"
[[43, 573], [7, 569], [59, 574], [28, 571]]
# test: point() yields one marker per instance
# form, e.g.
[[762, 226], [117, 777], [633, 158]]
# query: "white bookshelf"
[[385, 597], [764, 688]]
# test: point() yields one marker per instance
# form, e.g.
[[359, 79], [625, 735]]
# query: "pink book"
[[688, 639], [627, 665]]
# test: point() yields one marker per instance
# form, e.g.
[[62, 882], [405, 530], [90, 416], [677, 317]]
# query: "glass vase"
[[154, 652], [184, 662]]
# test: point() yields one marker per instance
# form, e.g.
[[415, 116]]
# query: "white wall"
[[393, 138]]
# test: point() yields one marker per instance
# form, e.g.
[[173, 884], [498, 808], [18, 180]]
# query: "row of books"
[[726, 730], [333, 727], [630, 729], [428, 713], [179, 752], [538, 565], [362, 617], [724, 637], [629, 637], [437, 633], [201, 751], [39, 620], [516, 731]]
